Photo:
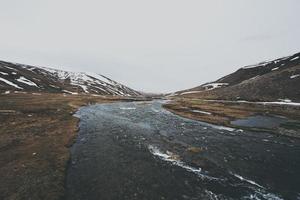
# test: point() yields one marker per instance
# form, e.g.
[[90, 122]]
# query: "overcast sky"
[[149, 45]]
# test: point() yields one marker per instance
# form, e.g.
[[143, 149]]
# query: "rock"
[[194, 149]]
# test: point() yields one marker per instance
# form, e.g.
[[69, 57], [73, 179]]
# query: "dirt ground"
[[222, 113], [36, 131]]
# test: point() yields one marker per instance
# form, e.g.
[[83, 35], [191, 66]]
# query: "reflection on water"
[[260, 121]]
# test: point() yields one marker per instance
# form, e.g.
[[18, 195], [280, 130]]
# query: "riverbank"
[[36, 131], [225, 112], [134, 151]]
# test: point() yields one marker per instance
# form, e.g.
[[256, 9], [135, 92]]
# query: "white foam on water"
[[169, 157], [260, 192], [258, 195], [247, 180], [211, 195]]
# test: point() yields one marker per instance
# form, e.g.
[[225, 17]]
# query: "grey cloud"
[[155, 46]]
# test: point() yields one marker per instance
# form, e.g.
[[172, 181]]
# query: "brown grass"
[[35, 133], [222, 113]]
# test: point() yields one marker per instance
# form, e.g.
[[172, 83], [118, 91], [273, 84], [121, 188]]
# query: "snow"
[[24, 80], [101, 78], [275, 68], [54, 86], [99, 88], [212, 86], [3, 73], [262, 64], [285, 100], [280, 103], [257, 102], [172, 94], [86, 79], [84, 87], [202, 112], [9, 68], [190, 92], [297, 57], [257, 65], [79, 77], [70, 92], [10, 83], [295, 76], [18, 92]]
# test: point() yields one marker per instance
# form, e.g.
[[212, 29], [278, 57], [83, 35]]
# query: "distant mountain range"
[[25, 78], [267, 81]]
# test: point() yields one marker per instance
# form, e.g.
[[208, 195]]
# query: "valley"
[[234, 138]]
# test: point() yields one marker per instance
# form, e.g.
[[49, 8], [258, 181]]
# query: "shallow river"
[[141, 151]]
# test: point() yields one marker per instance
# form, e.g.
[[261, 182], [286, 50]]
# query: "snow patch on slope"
[[190, 92], [3, 73], [295, 76], [26, 81], [297, 57], [10, 83], [212, 86], [93, 80]]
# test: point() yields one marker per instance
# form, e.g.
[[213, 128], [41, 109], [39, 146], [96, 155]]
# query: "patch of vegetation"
[[35, 133]]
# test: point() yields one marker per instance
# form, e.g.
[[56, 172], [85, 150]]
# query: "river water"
[[141, 151]]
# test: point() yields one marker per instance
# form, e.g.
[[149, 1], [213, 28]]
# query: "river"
[[138, 150]]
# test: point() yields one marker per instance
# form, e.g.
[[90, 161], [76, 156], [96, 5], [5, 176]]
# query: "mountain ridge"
[[27, 78], [266, 81]]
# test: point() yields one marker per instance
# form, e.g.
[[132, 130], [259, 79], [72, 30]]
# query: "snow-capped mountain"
[[269, 80], [19, 77]]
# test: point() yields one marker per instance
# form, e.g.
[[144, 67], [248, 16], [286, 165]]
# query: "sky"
[[150, 46]]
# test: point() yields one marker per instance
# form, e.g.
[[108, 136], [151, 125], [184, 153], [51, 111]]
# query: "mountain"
[[267, 81], [26, 78]]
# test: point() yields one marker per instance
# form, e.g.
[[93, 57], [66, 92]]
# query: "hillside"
[[25, 78], [267, 81]]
